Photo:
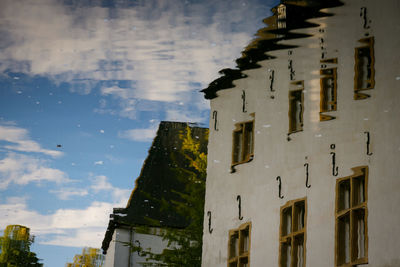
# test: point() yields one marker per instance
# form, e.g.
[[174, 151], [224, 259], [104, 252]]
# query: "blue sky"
[[96, 77]]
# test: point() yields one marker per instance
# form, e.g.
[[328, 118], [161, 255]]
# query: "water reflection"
[[280, 29], [145, 61], [320, 69], [130, 50], [83, 86]]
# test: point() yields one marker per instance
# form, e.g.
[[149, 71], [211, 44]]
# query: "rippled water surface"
[[84, 85]]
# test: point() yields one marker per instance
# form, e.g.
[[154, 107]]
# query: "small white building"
[[124, 237], [141, 223], [304, 148]]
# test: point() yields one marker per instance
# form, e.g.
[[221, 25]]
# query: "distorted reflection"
[[94, 92], [83, 87]]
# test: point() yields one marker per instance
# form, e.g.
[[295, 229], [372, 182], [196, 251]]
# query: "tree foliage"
[[90, 257], [15, 247], [184, 245]]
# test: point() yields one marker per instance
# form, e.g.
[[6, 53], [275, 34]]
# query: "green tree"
[[90, 257], [185, 245], [15, 247]]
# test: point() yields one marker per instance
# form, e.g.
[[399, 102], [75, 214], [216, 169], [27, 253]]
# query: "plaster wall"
[[274, 155], [109, 258], [148, 241], [119, 255]]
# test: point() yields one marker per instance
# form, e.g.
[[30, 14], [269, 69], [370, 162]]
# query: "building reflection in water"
[[320, 87]]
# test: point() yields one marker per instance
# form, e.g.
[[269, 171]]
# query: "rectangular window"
[[293, 234], [239, 246], [281, 16], [364, 76], [351, 242], [328, 95], [296, 107], [243, 143]]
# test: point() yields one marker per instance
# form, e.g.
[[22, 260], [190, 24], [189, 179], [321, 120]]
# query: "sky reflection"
[[83, 86], [162, 51]]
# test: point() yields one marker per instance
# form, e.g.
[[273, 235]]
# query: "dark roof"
[[157, 180], [298, 12]]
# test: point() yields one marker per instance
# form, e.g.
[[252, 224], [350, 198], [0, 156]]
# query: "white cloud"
[[179, 115], [127, 103], [139, 135], [100, 162], [15, 211], [117, 92], [84, 237], [100, 183], [92, 216], [120, 194], [21, 169], [66, 193], [187, 43], [64, 227], [21, 141]]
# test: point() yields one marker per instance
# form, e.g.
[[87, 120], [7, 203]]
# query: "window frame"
[[241, 254], [327, 105], [368, 44], [245, 155], [351, 210], [281, 16], [283, 239], [298, 86]]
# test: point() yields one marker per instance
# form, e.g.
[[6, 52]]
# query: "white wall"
[[275, 156], [119, 255], [154, 242]]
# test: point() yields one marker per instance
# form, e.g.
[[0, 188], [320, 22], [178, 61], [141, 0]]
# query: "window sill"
[[355, 263], [295, 131], [233, 165]]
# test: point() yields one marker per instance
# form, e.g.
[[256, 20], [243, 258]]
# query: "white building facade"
[[120, 252], [304, 153]]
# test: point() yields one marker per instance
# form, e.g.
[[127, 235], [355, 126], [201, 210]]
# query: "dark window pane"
[[287, 221], [358, 234], [248, 140], [328, 90], [244, 240], [286, 250], [298, 251], [358, 190], [344, 195], [343, 239], [299, 212], [295, 111], [237, 146], [234, 245], [363, 68], [244, 262]]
